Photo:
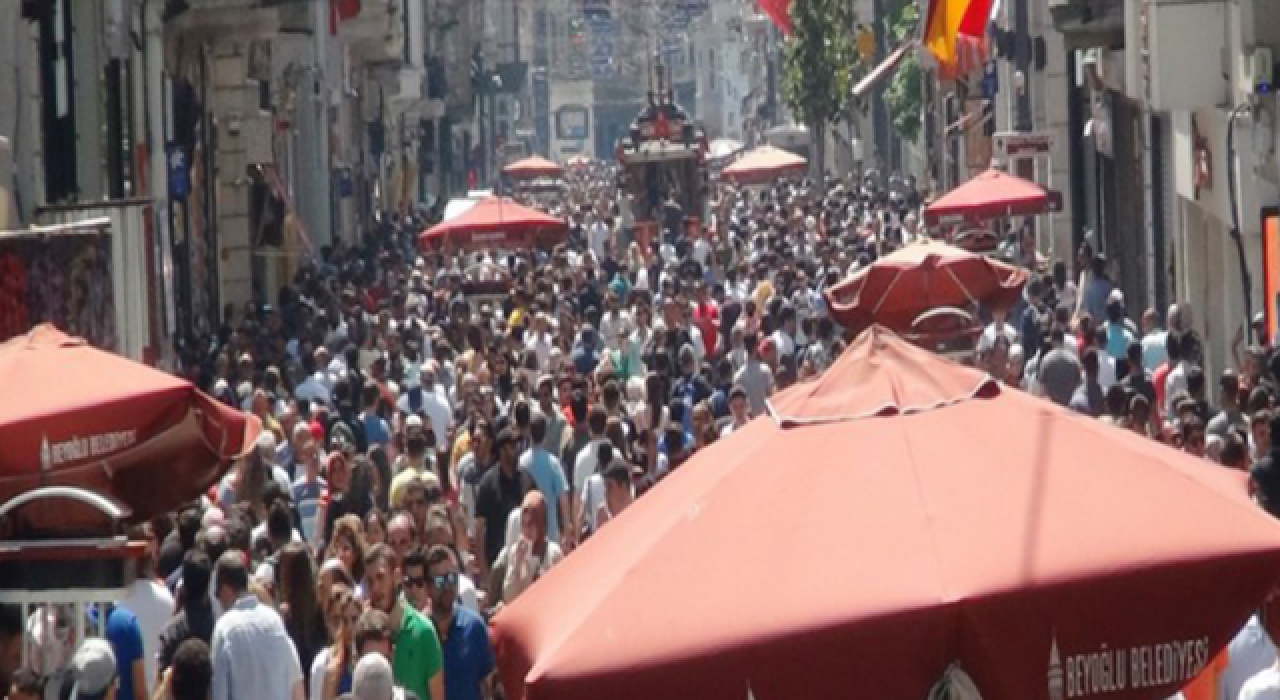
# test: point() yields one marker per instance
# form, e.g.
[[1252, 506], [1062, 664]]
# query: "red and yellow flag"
[[946, 20]]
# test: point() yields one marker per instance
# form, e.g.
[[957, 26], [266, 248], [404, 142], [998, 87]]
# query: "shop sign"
[[1018, 144]]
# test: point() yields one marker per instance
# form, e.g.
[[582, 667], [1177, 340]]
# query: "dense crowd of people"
[[441, 429]]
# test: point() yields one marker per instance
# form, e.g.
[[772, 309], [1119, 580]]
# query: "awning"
[[280, 190], [882, 71]]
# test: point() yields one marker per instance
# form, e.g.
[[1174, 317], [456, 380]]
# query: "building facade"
[[1177, 97]]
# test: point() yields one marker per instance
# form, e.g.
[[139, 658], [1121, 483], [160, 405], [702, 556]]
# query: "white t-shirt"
[[593, 500], [1174, 383], [991, 332], [319, 666], [586, 464], [152, 603], [1249, 653], [1263, 686]]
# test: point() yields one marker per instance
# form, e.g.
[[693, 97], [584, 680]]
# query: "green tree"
[[903, 96], [820, 60]]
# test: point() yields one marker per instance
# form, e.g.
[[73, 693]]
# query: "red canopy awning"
[[496, 222], [763, 164], [533, 166], [991, 195], [896, 289], [73, 415], [896, 517]]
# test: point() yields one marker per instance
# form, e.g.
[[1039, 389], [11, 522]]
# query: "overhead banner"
[[1271, 269]]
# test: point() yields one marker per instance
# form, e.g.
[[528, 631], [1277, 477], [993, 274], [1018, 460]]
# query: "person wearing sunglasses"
[[464, 636], [416, 583]]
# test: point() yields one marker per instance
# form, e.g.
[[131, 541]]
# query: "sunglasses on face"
[[444, 581], [415, 582]]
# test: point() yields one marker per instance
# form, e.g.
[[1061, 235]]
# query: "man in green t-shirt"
[[418, 661]]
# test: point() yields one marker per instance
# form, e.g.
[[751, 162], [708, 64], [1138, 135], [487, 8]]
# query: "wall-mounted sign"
[[1019, 144]]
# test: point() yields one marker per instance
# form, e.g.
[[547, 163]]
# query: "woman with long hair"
[[348, 546], [357, 498], [381, 476], [341, 612], [248, 483], [296, 594]]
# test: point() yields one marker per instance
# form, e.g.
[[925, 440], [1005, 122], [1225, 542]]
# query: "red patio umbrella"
[[991, 195], [73, 415], [896, 517], [532, 167], [894, 290], [763, 164], [496, 222]]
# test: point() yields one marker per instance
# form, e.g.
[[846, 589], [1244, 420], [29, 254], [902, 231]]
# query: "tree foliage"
[[904, 96], [820, 59]]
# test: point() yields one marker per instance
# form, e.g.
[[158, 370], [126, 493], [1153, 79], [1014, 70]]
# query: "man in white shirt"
[[317, 387], [597, 236], [615, 324], [150, 601], [587, 463], [431, 400], [253, 656], [1249, 653], [994, 329], [1263, 686]]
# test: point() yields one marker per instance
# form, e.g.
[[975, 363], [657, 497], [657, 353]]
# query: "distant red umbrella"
[[496, 222], [897, 517], [73, 415], [991, 195], [764, 164], [533, 167], [894, 290]]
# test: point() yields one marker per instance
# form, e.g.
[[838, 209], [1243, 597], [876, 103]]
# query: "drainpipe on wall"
[[1234, 200], [153, 57]]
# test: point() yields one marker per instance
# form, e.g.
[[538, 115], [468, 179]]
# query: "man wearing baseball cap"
[[92, 672]]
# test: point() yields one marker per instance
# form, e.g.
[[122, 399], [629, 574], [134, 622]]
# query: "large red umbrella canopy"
[[894, 290], [763, 164], [73, 415], [533, 167], [899, 515], [496, 222], [991, 195]]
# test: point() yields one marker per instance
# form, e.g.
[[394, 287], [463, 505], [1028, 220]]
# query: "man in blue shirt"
[[468, 653], [376, 430], [125, 637], [547, 474]]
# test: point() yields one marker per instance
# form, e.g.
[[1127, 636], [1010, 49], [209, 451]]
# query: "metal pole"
[[1022, 63], [771, 76], [879, 116]]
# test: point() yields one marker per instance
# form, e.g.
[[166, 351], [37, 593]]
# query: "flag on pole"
[[946, 21], [780, 12]]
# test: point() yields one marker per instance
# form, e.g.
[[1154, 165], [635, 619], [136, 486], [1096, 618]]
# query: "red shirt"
[[707, 316], [1158, 378]]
